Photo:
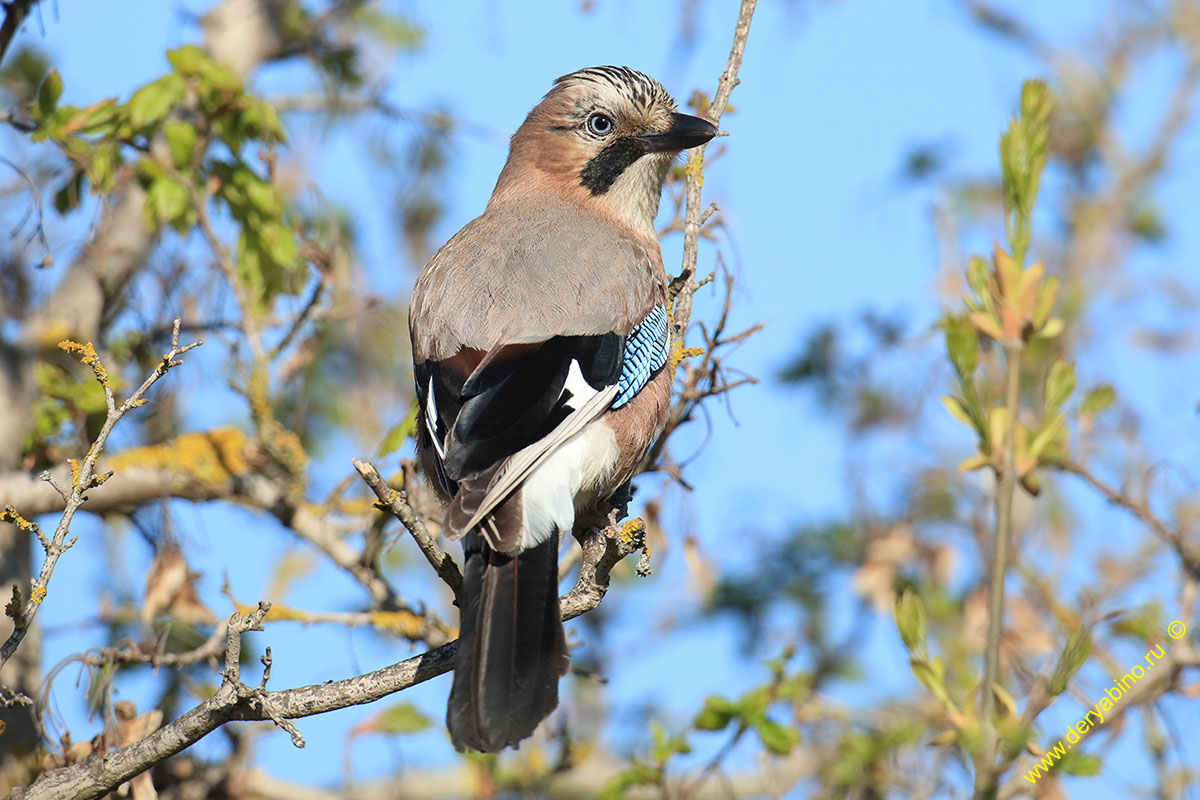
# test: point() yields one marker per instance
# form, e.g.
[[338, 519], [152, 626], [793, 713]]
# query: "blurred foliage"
[[919, 548]]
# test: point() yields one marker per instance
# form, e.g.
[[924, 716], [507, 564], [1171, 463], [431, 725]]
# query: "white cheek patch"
[[635, 195]]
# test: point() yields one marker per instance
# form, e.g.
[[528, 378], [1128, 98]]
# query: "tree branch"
[[96, 776], [15, 12], [397, 504], [83, 479], [1169, 535], [985, 773], [684, 282]]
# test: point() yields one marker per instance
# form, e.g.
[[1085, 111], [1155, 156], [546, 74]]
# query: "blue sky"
[[833, 94]]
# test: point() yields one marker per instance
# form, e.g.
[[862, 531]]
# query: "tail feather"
[[511, 646]]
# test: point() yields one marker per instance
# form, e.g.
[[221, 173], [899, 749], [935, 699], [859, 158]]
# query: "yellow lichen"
[[695, 167], [87, 354], [15, 608], [9, 514], [632, 530], [75, 470], [278, 612], [286, 446], [210, 457], [37, 595], [679, 353], [402, 623], [352, 506]]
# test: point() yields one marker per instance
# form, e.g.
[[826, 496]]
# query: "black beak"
[[685, 131]]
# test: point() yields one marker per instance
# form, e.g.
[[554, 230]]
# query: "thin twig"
[[105, 657], [300, 319], [985, 773], [603, 548], [84, 480], [397, 504], [1166, 533], [39, 227], [681, 311], [249, 321], [15, 12]]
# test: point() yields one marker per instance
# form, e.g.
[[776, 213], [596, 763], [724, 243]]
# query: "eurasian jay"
[[540, 347]]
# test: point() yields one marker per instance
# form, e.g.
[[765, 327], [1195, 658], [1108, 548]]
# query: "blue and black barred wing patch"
[[646, 350]]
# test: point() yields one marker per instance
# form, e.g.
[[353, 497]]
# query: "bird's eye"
[[600, 124]]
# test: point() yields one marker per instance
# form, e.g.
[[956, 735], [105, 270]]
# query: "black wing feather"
[[514, 400]]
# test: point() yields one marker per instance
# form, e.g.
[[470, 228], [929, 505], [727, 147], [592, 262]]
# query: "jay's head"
[[605, 137]]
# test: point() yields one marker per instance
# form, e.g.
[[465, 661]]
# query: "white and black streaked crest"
[[640, 88]]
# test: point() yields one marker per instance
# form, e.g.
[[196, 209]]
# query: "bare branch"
[[15, 12], [682, 308], [39, 227], [85, 478], [1169, 535], [212, 647], [397, 504], [602, 549]]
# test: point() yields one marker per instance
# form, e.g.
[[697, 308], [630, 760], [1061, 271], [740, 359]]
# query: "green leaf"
[[391, 29], [97, 118], [1142, 624], [958, 410], [402, 718], [192, 62], [715, 715], [1097, 399], [775, 737], [85, 397], [399, 433], [1053, 327], [910, 619], [1046, 435], [249, 263], [1059, 385], [1078, 763], [753, 703], [153, 101], [1074, 653], [101, 168], [931, 674], [49, 93], [637, 775], [977, 276], [187, 60], [261, 194], [1036, 104], [166, 200], [962, 345], [1044, 303], [267, 258], [181, 139], [67, 198], [662, 746], [261, 121]]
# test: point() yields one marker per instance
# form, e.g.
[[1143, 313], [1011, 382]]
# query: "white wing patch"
[[586, 403], [429, 415], [574, 470]]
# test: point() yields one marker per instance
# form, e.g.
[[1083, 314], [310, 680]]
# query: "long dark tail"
[[511, 647]]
